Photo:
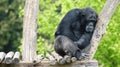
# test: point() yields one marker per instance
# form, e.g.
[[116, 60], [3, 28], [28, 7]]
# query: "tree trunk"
[[29, 30], [102, 23]]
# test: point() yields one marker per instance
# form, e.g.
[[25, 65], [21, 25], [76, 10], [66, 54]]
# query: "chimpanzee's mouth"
[[92, 20]]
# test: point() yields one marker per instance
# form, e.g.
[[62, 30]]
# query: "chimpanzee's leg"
[[64, 46]]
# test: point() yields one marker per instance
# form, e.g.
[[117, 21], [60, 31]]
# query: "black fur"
[[75, 31]]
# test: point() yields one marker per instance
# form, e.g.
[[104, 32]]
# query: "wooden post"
[[51, 59], [16, 57], [8, 57], [102, 23], [59, 58], [29, 30], [2, 56], [67, 59], [38, 59]]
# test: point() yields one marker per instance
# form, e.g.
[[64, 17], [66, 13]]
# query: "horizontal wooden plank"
[[86, 63]]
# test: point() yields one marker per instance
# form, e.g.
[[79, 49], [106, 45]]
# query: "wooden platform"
[[90, 63]]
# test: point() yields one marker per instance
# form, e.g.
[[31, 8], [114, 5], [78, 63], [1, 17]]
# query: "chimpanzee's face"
[[90, 19], [90, 15]]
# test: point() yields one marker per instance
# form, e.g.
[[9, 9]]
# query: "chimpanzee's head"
[[89, 19]]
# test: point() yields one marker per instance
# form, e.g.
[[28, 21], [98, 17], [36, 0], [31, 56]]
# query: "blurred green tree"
[[10, 25]]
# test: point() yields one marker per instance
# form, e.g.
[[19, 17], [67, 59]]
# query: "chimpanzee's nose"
[[91, 24], [93, 18]]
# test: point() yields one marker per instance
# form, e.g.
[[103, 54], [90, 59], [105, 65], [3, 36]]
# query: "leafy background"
[[50, 14]]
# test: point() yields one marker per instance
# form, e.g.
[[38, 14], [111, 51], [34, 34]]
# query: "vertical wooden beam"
[[100, 29], [29, 30]]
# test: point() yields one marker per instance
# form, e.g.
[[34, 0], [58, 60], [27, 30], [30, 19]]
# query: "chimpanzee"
[[75, 32]]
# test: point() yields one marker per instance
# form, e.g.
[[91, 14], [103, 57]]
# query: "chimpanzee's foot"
[[83, 56]]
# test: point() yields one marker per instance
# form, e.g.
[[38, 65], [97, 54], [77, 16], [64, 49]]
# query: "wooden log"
[[38, 59], [73, 59], [16, 57], [2, 56], [51, 59], [8, 57], [67, 59], [59, 58]]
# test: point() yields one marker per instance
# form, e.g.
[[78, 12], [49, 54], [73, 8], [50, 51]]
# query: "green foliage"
[[10, 25]]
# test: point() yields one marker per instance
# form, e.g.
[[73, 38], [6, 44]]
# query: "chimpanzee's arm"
[[84, 41]]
